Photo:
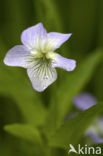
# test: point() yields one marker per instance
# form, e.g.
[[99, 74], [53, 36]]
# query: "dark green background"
[[82, 18]]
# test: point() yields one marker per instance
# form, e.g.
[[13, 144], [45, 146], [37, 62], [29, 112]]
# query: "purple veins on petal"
[[38, 56], [41, 75]]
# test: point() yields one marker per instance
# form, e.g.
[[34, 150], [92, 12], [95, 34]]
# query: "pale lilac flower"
[[84, 101], [95, 131], [38, 56]]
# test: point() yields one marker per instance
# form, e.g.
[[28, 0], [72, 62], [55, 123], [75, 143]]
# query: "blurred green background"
[[19, 103]]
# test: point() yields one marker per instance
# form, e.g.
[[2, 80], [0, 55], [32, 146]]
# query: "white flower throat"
[[44, 54]]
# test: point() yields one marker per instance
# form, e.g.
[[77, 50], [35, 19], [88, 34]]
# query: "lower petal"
[[17, 56], [64, 63], [41, 74]]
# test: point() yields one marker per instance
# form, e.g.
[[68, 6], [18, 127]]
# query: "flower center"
[[45, 55]]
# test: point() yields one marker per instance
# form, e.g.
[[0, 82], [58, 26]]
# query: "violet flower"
[[83, 102], [95, 131], [38, 56]]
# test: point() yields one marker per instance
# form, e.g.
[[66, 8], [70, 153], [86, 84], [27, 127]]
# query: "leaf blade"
[[24, 131], [75, 127]]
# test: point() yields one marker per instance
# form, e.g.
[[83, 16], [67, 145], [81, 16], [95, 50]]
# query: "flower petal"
[[17, 56], [94, 136], [34, 37], [95, 131], [55, 40], [41, 74], [64, 63], [84, 101]]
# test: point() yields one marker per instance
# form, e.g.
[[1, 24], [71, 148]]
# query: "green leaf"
[[71, 85], [26, 132], [13, 84], [30, 134], [76, 81], [72, 131]]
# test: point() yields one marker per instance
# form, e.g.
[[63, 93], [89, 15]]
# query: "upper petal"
[[64, 63], [55, 40], [17, 56], [41, 74], [34, 37]]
